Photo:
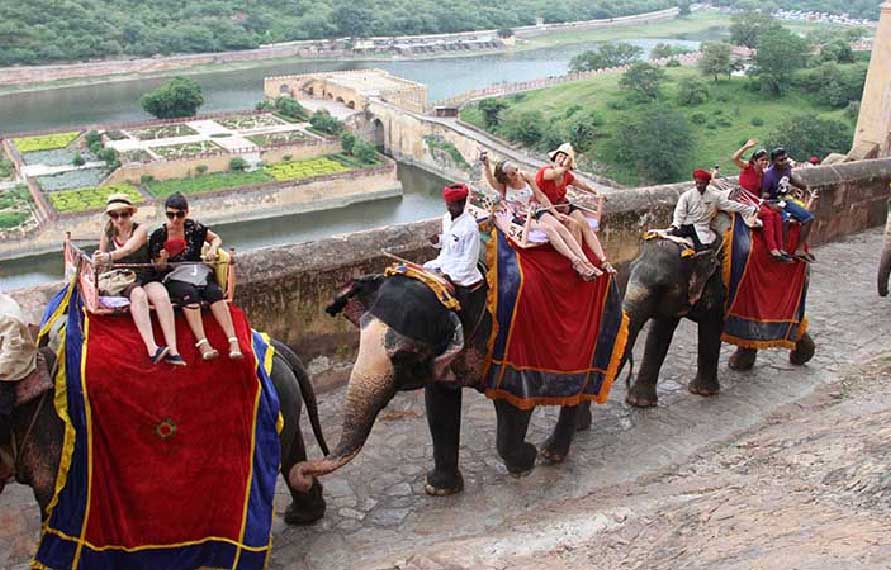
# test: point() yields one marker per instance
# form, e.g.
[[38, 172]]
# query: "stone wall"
[[873, 134], [286, 289]]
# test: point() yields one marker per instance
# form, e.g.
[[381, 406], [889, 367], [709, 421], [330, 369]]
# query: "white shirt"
[[699, 210], [459, 253]]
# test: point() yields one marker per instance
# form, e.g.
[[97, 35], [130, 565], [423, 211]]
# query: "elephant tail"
[[630, 370], [306, 390]]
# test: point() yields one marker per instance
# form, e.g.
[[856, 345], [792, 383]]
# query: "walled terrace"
[[285, 289], [232, 166]]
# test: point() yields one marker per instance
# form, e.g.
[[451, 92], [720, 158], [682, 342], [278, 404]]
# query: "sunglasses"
[[178, 214], [121, 215]]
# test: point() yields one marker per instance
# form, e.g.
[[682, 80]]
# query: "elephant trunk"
[[372, 386], [885, 260]]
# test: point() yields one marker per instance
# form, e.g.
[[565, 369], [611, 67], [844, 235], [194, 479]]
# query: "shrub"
[[201, 169], [92, 137], [699, 117], [524, 127], [757, 122], [78, 160], [323, 122], [655, 143], [238, 164], [347, 142], [290, 108], [803, 136], [366, 153], [287, 158], [304, 169], [692, 91], [617, 104], [181, 97], [673, 63], [90, 198], [147, 178]]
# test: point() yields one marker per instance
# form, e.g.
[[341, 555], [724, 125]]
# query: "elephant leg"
[[583, 418], [444, 419], [804, 350], [517, 453], [708, 351], [643, 392], [556, 447], [743, 359], [305, 508]]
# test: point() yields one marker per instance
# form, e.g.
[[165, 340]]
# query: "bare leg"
[[157, 294], [220, 311], [588, 234], [140, 312], [193, 317], [560, 238]]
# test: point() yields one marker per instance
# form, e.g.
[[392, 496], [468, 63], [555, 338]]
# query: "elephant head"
[[885, 260], [407, 338]]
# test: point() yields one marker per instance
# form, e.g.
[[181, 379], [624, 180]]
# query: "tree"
[[323, 122], [805, 135], [654, 143], [490, 108], [348, 142], [78, 160], [833, 84], [365, 152], [746, 28], [181, 97], [643, 79], [524, 127], [663, 51], [352, 19], [605, 56], [238, 164], [715, 59], [505, 33], [290, 108], [837, 50], [684, 8], [780, 53], [585, 129], [692, 91]]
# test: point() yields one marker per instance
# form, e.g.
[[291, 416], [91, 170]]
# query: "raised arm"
[[728, 205], [490, 178], [737, 156]]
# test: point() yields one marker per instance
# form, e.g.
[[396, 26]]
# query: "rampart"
[[285, 289]]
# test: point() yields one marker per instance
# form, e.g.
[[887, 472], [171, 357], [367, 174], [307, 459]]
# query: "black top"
[[195, 234], [138, 256]]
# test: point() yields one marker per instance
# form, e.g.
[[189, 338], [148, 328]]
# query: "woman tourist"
[[750, 176], [126, 241], [518, 192], [180, 240]]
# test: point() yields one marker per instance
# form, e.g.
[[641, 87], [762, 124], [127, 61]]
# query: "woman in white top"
[[520, 194]]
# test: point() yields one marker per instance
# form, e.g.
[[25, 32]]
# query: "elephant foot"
[[441, 484], [743, 359], [306, 508], [552, 453], [702, 389], [804, 350], [583, 418], [522, 461], [642, 397]]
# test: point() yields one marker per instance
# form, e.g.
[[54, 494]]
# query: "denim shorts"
[[797, 212]]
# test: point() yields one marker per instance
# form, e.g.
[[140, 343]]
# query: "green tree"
[[780, 53], [290, 108], [584, 130], [347, 142], [715, 59], [490, 107], [746, 28], [365, 152], [323, 122], [852, 111], [181, 97], [238, 164], [604, 56], [352, 19], [837, 50], [654, 143], [643, 79], [524, 127], [805, 135], [505, 33], [78, 160], [692, 91]]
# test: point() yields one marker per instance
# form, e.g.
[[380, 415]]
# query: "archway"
[[379, 135], [284, 89], [351, 104]]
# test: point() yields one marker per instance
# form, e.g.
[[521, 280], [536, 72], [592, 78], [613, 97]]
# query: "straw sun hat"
[[118, 203]]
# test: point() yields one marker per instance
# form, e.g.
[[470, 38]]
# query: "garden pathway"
[[377, 512], [43, 170]]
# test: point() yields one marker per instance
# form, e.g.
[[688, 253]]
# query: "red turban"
[[702, 175], [455, 192]]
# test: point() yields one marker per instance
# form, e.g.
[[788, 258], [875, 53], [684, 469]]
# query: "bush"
[[699, 117], [617, 104], [852, 111], [181, 97], [673, 63], [290, 108], [287, 158], [692, 91], [238, 164], [655, 143], [323, 122], [93, 137], [365, 152], [803, 136], [584, 130], [524, 127], [757, 122], [91, 198], [78, 160], [347, 142], [147, 179], [201, 169]]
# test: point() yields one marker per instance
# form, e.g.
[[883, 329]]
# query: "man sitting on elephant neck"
[[459, 243], [698, 206]]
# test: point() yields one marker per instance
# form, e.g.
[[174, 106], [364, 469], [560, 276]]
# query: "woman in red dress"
[[750, 174]]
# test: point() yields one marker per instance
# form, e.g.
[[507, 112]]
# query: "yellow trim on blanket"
[[119, 548], [513, 316], [685, 250], [618, 352], [765, 344], [529, 403], [491, 296], [89, 439], [727, 260], [60, 310], [435, 284], [250, 477]]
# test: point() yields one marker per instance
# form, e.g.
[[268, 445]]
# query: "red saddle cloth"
[[765, 304], [556, 339]]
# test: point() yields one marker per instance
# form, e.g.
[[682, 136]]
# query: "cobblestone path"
[[378, 514]]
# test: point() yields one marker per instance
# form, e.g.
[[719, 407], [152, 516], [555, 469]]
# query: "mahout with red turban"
[[455, 192], [702, 175]]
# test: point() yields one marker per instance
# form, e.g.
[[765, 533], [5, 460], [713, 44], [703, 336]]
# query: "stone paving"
[[378, 514]]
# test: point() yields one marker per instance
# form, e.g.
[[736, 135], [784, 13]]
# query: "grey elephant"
[[658, 289], [36, 434], [403, 327]]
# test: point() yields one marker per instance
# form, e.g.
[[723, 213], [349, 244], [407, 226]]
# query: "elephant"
[[39, 433], [884, 270], [402, 330], [658, 289]]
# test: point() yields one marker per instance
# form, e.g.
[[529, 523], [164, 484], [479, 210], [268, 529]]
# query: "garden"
[[135, 155], [45, 142], [175, 151], [90, 198], [57, 157], [164, 132], [272, 139], [321, 166], [239, 122], [7, 168], [15, 207], [71, 179]]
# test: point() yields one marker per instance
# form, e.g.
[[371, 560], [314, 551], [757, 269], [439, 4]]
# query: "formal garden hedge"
[[45, 142], [90, 198]]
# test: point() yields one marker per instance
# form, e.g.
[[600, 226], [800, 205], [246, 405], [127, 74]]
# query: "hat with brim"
[[118, 203], [565, 148]]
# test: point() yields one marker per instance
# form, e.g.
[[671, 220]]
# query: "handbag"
[[116, 281], [195, 274]]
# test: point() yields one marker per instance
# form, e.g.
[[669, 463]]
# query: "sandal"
[[585, 269], [210, 353], [234, 354]]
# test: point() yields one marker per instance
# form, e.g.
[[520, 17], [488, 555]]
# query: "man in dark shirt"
[[774, 187]]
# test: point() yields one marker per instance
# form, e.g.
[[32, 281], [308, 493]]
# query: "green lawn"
[[720, 125]]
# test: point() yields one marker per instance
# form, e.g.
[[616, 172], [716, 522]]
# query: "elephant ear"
[[355, 298]]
